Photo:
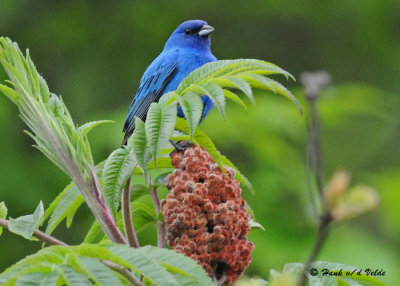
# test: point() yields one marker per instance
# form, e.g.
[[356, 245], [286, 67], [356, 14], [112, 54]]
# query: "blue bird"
[[187, 49]]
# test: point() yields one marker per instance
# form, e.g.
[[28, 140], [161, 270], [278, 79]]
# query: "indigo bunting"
[[187, 49]]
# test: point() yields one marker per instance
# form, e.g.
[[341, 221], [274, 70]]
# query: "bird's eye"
[[187, 31]]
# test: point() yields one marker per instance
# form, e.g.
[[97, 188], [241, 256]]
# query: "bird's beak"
[[206, 30]]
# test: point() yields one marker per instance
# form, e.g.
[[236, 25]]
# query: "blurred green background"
[[93, 53]]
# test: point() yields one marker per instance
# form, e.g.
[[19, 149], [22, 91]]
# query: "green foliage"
[[64, 206], [45, 114], [142, 212], [66, 145], [80, 265], [117, 170], [159, 125], [27, 224]]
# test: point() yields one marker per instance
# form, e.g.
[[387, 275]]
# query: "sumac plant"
[[204, 218]]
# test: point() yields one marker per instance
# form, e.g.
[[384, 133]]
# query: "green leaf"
[[10, 93], [186, 270], [192, 107], [87, 127], [159, 125], [142, 212], [26, 225], [95, 233], [38, 279], [117, 170], [255, 225], [44, 89], [73, 277], [64, 206], [137, 191], [230, 95], [3, 214], [216, 94], [138, 143], [243, 86], [145, 263], [101, 274]]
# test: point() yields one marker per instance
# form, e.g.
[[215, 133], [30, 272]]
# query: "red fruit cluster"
[[205, 215]]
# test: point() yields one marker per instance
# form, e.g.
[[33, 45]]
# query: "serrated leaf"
[[230, 95], [138, 144], [117, 170], [159, 125], [38, 279], [192, 107], [102, 275], [216, 94], [44, 89], [26, 225], [73, 277], [243, 86], [258, 81], [188, 272], [65, 205], [146, 264], [87, 127], [10, 93]]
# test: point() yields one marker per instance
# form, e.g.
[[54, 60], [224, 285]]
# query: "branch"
[[127, 216], [38, 234]]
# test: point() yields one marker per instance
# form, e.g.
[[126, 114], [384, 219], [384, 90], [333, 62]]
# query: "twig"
[[38, 234], [127, 216]]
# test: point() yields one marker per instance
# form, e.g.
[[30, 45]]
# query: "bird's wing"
[[150, 90]]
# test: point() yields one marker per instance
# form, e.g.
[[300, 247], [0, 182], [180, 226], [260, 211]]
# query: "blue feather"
[[183, 53]]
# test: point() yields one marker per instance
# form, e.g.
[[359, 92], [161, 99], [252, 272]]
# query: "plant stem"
[[160, 224], [316, 160], [323, 231], [157, 208], [127, 216], [38, 234]]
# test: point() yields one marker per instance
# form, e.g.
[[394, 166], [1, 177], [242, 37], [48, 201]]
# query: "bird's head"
[[191, 34]]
